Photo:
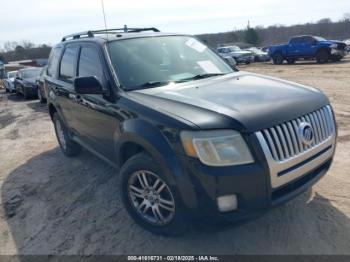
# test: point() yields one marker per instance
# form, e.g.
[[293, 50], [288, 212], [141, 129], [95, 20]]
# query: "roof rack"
[[91, 33]]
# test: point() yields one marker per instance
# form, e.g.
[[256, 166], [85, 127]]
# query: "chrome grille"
[[284, 142]]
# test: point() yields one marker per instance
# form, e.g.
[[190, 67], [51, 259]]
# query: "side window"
[[53, 61], [90, 63], [67, 67], [295, 40], [308, 40]]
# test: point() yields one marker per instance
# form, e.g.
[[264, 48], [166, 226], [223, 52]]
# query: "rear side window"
[[53, 61], [90, 63], [67, 67]]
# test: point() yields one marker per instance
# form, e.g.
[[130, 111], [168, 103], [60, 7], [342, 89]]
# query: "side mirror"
[[88, 85]]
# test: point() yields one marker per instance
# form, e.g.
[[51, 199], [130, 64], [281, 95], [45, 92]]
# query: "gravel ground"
[[50, 204]]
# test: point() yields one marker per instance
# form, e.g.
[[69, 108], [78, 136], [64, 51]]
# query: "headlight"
[[333, 46], [217, 148]]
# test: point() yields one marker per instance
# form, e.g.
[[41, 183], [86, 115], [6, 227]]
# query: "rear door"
[[60, 84]]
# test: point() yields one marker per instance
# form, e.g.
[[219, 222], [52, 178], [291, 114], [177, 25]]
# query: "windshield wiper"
[[150, 84], [200, 76]]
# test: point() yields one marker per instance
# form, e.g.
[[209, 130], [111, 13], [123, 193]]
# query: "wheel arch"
[[140, 135]]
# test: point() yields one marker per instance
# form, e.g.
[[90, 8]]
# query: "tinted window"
[[308, 39], [295, 40], [53, 61], [67, 68], [89, 63]]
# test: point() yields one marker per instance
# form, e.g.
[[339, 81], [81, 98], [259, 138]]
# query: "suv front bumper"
[[250, 183]]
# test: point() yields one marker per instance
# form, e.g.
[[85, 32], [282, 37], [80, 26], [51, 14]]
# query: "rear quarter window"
[[53, 61]]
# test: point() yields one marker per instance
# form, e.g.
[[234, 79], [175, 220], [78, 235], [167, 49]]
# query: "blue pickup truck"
[[308, 47]]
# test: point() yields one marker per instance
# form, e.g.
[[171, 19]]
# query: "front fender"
[[158, 146]]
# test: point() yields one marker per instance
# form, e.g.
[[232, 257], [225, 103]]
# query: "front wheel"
[[149, 198], [322, 56], [68, 146]]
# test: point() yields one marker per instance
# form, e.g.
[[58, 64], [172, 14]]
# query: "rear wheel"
[[322, 56], [40, 96], [149, 198], [68, 146], [277, 59]]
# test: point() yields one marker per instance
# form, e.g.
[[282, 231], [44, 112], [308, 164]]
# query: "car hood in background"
[[244, 101]]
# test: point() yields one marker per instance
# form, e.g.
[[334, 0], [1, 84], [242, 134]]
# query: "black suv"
[[195, 140]]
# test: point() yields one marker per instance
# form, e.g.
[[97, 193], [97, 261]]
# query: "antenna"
[[104, 16]]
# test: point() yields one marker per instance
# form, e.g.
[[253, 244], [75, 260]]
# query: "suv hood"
[[243, 101]]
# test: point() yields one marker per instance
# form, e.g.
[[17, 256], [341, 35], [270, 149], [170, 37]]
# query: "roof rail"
[[92, 33]]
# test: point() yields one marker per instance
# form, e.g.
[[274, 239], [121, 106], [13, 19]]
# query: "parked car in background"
[[347, 42], [307, 47], [231, 61], [193, 139], [9, 82], [40, 86], [259, 55], [237, 53], [25, 82]]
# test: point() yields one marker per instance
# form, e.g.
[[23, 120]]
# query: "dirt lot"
[[50, 204]]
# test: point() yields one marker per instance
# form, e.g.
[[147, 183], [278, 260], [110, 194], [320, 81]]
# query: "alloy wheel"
[[151, 197]]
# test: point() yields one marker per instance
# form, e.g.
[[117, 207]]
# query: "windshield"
[[29, 73], [318, 38], [142, 62], [235, 49], [12, 74]]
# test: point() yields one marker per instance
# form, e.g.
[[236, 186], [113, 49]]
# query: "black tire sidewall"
[[277, 59], [72, 148], [322, 56], [143, 161]]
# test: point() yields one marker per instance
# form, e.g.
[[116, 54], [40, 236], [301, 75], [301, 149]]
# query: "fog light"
[[227, 203]]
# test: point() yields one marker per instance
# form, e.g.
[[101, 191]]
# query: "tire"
[[322, 56], [40, 96], [67, 145], [25, 94], [247, 62], [142, 202], [336, 59], [17, 92], [6, 90], [290, 61], [277, 59]]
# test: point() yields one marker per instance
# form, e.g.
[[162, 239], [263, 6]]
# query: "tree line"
[[261, 36], [257, 36], [13, 51]]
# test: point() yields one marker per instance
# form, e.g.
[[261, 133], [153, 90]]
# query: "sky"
[[41, 21]]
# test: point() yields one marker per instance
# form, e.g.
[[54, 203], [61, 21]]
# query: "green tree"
[[251, 36]]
